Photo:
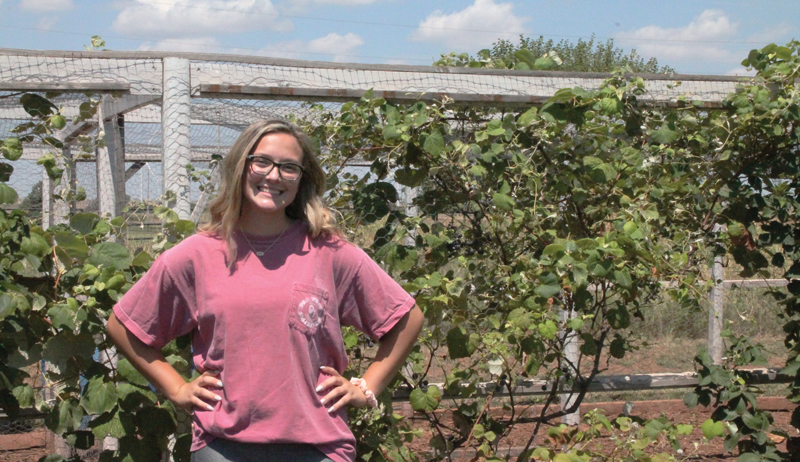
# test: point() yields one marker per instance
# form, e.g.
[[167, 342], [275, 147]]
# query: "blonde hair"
[[308, 206]]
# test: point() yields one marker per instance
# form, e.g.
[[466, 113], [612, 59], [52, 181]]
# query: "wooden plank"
[[16, 442], [95, 87], [751, 283], [343, 95], [638, 382]]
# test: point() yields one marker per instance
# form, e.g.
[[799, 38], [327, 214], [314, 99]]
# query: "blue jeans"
[[222, 450]]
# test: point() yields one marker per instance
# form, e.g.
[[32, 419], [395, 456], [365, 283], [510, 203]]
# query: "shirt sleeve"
[[372, 301], [156, 309]]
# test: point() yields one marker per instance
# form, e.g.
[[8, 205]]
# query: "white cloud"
[[200, 18], [198, 45], [46, 5], [477, 26], [300, 5], [700, 39], [339, 47]]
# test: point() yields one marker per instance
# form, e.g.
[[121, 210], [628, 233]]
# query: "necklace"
[[261, 254]]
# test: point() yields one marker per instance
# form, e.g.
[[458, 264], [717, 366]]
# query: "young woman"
[[264, 288]]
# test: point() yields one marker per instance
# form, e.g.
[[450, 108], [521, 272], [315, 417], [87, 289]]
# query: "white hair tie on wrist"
[[372, 401]]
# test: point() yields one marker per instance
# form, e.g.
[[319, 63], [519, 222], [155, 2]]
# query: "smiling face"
[[268, 196]]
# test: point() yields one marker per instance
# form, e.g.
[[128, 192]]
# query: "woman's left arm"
[[393, 350]]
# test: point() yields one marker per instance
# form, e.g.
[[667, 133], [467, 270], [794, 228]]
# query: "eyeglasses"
[[288, 171]]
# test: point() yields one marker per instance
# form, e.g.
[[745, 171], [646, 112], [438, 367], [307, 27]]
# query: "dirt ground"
[[693, 446]]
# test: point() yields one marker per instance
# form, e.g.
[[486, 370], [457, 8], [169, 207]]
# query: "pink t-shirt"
[[267, 327]]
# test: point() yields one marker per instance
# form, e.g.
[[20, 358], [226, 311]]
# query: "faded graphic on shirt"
[[308, 308], [310, 312]]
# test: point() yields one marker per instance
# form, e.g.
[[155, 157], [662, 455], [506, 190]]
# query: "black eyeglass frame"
[[251, 157]]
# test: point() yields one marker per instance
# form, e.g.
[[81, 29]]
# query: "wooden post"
[[47, 200], [716, 318], [202, 202], [568, 399], [60, 207], [111, 163], [175, 132], [411, 211], [106, 192]]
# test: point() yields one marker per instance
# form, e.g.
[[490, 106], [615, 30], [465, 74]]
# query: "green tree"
[[541, 54], [33, 201]]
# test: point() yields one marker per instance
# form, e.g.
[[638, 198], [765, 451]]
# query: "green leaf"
[[99, 396], [142, 260], [66, 345], [37, 106], [35, 245], [409, 177], [434, 143], [62, 316], [12, 148], [84, 223], [24, 395], [610, 106], [580, 274], [58, 121], [8, 195], [623, 278], [526, 57], [749, 457], [132, 396], [66, 416], [619, 318], [458, 343], [548, 329], [72, 245], [545, 63], [617, 348], [185, 227], [390, 132], [527, 117], [503, 201], [426, 401], [755, 421], [712, 429], [664, 135], [110, 254], [108, 424], [548, 291]]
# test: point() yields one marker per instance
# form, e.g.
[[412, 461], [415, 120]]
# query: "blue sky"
[[694, 37]]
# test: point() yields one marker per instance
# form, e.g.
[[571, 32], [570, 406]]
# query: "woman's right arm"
[[152, 364]]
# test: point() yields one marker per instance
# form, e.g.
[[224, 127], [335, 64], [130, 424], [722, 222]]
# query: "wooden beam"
[[601, 383], [343, 95], [72, 87], [750, 283]]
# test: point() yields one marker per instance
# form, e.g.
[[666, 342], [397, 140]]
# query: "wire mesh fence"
[[123, 158]]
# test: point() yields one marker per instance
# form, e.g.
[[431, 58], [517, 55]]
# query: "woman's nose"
[[274, 175]]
